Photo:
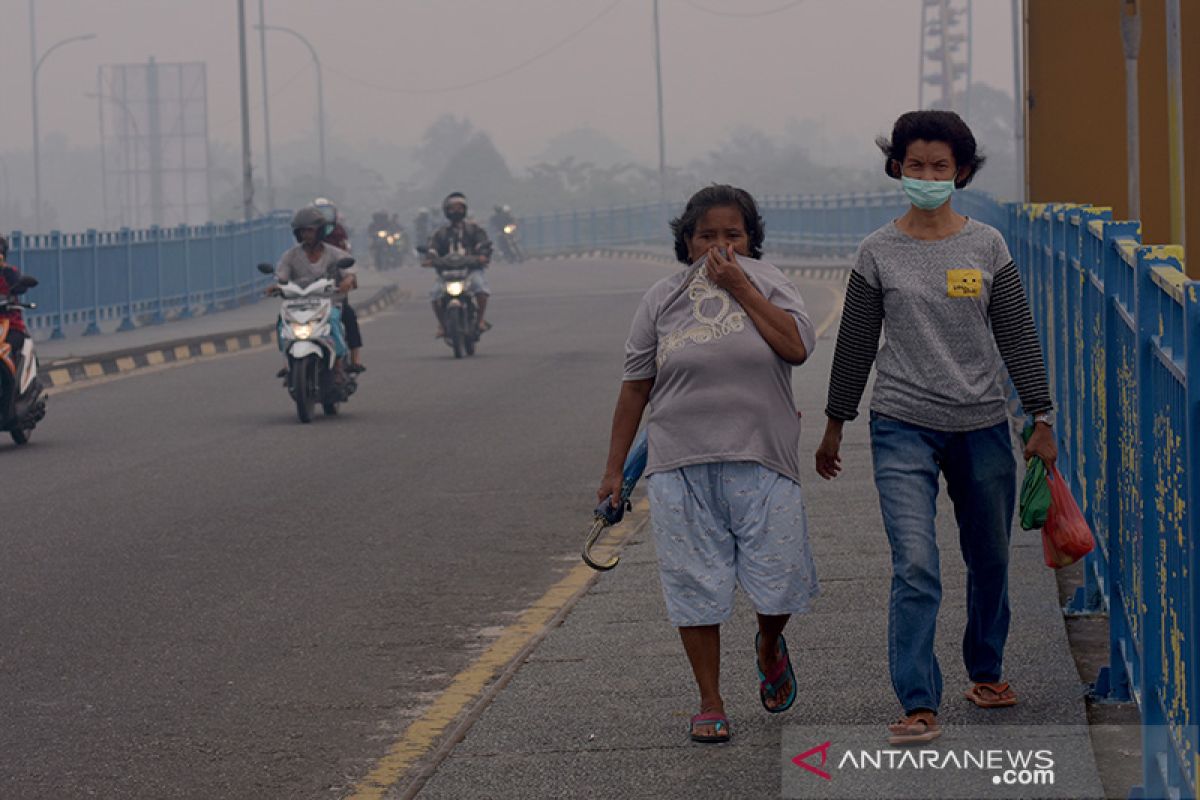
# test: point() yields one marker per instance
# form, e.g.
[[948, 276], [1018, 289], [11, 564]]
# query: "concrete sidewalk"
[[601, 707]]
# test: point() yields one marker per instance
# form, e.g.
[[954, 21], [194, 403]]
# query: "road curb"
[[66, 371]]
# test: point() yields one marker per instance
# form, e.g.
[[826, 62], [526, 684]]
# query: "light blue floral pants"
[[723, 524]]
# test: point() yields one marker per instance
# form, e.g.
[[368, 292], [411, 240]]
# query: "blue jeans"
[[981, 478]]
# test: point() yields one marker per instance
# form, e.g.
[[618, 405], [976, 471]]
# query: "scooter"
[[306, 337], [22, 401]]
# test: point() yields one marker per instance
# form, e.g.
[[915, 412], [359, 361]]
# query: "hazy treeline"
[[576, 169]]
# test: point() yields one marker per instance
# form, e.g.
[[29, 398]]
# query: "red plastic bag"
[[1066, 537]]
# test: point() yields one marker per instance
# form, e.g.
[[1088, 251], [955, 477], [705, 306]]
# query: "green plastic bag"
[[1035, 491]]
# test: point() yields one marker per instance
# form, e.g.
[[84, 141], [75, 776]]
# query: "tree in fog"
[[441, 142]]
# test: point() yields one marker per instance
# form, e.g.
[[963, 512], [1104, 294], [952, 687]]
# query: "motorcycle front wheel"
[[455, 333], [303, 379], [21, 435]]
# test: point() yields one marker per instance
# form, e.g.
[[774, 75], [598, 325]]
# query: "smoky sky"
[[391, 66]]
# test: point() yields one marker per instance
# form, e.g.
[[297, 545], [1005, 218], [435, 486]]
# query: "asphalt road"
[[201, 598]]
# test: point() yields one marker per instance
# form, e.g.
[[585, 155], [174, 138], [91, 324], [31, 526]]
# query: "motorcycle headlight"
[[382, 234], [301, 331], [454, 288], [391, 240], [510, 229]]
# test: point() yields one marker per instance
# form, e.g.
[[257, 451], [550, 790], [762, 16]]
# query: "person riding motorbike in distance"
[[460, 236], [421, 223], [334, 232], [501, 215], [312, 259], [9, 275]]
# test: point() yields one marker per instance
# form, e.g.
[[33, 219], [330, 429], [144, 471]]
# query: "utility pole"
[[247, 174], [1175, 122], [662, 140], [1131, 42], [1018, 15], [262, 47], [37, 137]]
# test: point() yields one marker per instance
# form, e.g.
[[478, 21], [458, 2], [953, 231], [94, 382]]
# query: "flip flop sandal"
[[719, 722], [768, 687], [991, 695], [913, 730]]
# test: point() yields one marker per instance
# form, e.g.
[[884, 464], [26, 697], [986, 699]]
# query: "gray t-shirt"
[[294, 266], [939, 366], [720, 392]]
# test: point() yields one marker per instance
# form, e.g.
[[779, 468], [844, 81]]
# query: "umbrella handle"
[[597, 528]]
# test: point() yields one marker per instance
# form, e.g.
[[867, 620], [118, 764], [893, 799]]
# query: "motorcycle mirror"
[[24, 284], [422, 249], [344, 263], [266, 269]]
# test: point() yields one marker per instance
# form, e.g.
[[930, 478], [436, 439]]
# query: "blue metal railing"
[[145, 276], [1120, 324], [811, 225]]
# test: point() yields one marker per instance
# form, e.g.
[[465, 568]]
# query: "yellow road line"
[[419, 738], [839, 301]]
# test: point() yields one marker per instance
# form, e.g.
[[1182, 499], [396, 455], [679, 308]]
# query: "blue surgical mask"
[[927, 194]]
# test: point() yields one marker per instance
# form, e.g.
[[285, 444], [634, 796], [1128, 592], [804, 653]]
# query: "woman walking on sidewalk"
[[945, 288], [711, 351]]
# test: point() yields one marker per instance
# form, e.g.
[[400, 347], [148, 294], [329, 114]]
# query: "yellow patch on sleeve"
[[964, 282]]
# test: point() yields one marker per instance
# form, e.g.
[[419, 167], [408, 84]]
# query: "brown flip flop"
[[991, 695], [916, 728]]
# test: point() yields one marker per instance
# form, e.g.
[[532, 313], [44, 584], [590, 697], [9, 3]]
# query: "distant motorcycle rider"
[[312, 259], [9, 275], [334, 232], [460, 236], [421, 225], [501, 215]]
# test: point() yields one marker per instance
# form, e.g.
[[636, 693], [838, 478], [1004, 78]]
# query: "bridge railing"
[[1120, 324], [145, 276], [807, 225]]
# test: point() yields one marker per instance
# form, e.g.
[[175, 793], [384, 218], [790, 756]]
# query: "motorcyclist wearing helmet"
[[335, 228], [460, 236], [334, 233], [421, 225], [501, 215], [311, 259], [9, 275]]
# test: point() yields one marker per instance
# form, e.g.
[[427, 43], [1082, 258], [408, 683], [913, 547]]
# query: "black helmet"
[[454, 197], [308, 217]]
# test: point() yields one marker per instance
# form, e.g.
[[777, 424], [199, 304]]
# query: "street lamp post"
[[320, 94], [662, 141], [262, 47], [36, 63]]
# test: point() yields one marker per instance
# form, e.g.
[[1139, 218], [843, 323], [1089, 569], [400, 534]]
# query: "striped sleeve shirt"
[[954, 318]]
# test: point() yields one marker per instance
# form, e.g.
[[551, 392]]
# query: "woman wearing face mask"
[[945, 288]]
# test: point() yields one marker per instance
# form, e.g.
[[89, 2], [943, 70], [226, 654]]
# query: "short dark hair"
[[934, 125], [719, 195]]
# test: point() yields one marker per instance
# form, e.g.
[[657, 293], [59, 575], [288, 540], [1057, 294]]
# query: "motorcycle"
[[22, 403], [305, 334], [460, 314], [509, 247], [388, 248]]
